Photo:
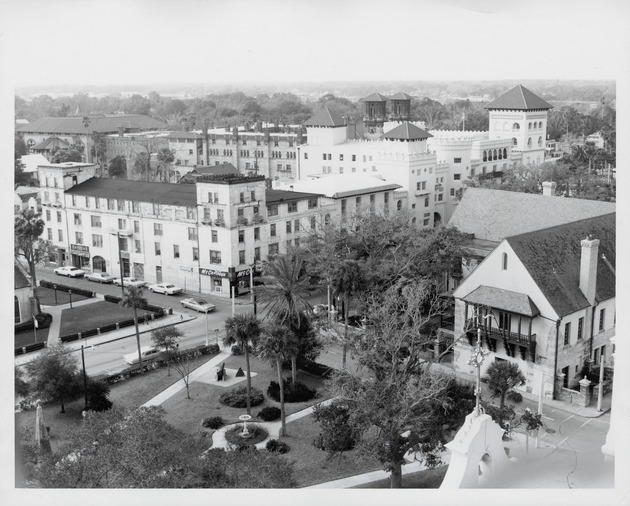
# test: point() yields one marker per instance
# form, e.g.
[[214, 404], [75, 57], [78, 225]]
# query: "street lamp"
[[70, 295], [207, 341], [55, 288]]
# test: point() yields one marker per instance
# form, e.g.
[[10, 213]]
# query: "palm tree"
[[244, 331], [133, 298], [28, 227], [283, 291], [165, 158], [501, 377], [277, 344], [348, 279]]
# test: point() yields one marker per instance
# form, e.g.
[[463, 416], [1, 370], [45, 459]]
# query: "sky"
[[216, 41]]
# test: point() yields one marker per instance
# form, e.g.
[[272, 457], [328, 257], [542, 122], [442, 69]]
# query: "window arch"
[[539, 142], [529, 125], [30, 143], [500, 154], [399, 205], [514, 141], [504, 152], [485, 156], [529, 142], [99, 264], [516, 126], [494, 155]]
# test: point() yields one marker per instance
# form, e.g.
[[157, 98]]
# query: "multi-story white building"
[[430, 166], [205, 236]]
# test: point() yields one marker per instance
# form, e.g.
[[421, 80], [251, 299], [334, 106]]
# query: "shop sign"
[[80, 250], [213, 272]]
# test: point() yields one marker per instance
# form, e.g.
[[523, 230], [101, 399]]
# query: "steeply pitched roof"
[[401, 96], [106, 123], [493, 215], [325, 118], [19, 277], [507, 300], [552, 258], [140, 191], [50, 143], [407, 131], [374, 97], [521, 99]]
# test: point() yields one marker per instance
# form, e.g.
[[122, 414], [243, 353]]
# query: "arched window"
[[500, 154], [494, 155], [516, 126], [505, 261], [30, 143], [539, 142], [504, 152], [514, 141], [529, 125], [485, 156], [399, 205], [529, 142], [99, 264]]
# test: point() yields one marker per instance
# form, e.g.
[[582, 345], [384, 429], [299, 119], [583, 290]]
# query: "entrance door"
[[125, 264], [565, 382], [158, 274]]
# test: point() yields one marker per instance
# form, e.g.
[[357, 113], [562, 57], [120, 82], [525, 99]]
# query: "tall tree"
[[243, 330], [54, 374], [184, 363], [117, 167], [133, 298], [278, 344], [28, 228], [167, 338], [165, 158]]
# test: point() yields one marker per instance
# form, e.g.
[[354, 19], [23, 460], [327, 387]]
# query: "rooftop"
[[343, 185], [374, 97], [50, 143], [325, 118], [407, 131], [103, 123], [20, 279], [507, 300], [277, 196], [552, 257], [493, 215], [521, 99], [401, 96]]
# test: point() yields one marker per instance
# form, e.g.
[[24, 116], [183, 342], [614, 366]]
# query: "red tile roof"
[[521, 99], [325, 118], [407, 131], [107, 123]]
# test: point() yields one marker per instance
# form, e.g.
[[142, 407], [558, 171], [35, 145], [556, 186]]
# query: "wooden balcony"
[[526, 343]]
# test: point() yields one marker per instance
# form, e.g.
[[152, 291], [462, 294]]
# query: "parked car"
[[70, 271], [147, 352], [165, 288], [130, 282], [201, 305], [99, 277]]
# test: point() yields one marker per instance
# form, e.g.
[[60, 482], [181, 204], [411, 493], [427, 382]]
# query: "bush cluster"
[[237, 398], [297, 392], [276, 446], [337, 435], [214, 422], [514, 396], [237, 350], [256, 435], [269, 414], [315, 368], [66, 288]]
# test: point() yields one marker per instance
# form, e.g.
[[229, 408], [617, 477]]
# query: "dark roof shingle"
[[107, 123], [19, 278], [515, 302], [521, 99], [277, 196], [325, 118], [374, 97], [552, 258], [407, 131]]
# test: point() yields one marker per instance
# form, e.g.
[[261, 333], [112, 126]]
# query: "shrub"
[[292, 393], [337, 434], [276, 446], [315, 368], [44, 320], [237, 350], [237, 398], [24, 326], [514, 397], [112, 298], [256, 435], [214, 422], [503, 417], [211, 349], [269, 413], [98, 395]]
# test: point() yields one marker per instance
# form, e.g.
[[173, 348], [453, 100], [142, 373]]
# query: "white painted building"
[[204, 236]]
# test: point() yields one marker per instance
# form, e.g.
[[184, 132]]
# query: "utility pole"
[[84, 378]]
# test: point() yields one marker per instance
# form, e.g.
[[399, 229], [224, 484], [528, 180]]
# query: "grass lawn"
[[28, 337], [187, 414], [311, 465], [47, 297], [92, 316], [431, 478]]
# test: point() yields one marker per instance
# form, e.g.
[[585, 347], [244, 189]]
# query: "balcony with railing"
[[526, 343]]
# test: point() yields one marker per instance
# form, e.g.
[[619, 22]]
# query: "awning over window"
[[505, 300]]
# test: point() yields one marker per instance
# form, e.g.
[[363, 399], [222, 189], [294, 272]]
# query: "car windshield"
[[72, 269], [169, 286], [199, 301]]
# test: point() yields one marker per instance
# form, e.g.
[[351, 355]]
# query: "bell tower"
[[375, 115], [400, 107]]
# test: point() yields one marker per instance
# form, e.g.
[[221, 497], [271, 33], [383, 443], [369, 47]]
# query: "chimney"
[[588, 268], [121, 131], [549, 188]]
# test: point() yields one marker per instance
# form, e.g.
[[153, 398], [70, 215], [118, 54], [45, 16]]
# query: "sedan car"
[[165, 288], [69, 270], [99, 277], [130, 282], [201, 305], [147, 352]]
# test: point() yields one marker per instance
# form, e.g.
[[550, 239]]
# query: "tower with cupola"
[[375, 115], [521, 116]]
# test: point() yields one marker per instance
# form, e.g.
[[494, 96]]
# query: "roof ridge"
[[570, 224]]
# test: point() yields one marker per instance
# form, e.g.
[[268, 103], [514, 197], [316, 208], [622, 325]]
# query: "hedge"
[[66, 288], [25, 325], [315, 368]]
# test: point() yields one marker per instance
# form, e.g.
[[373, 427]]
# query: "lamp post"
[[55, 288], [207, 337], [120, 263], [84, 379], [70, 295]]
